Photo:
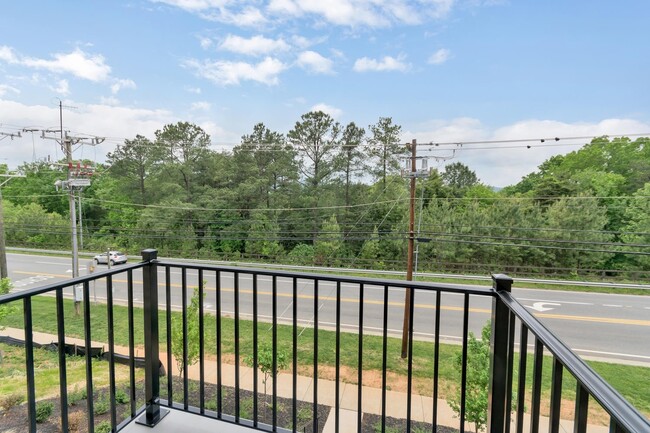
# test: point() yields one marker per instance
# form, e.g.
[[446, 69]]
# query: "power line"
[[531, 140]]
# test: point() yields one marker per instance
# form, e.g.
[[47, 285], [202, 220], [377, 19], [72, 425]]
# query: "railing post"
[[499, 344], [153, 412]]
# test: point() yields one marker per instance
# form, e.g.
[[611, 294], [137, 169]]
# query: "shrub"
[[103, 427], [43, 411], [246, 408], [211, 405], [76, 420], [478, 375], [121, 397], [11, 400], [101, 406], [76, 396], [6, 309]]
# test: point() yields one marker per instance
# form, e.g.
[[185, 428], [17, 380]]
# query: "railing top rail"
[[22, 294], [625, 414], [453, 288]]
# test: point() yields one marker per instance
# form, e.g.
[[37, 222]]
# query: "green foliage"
[[265, 361], [388, 429], [386, 148], [246, 408], [638, 226], [266, 199], [43, 411], [192, 335], [328, 242], [20, 221], [101, 405], [121, 397], [262, 237], [77, 395], [5, 309], [371, 250], [103, 427], [458, 177], [478, 376], [302, 254]]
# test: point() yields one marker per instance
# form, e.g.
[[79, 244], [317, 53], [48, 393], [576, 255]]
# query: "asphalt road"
[[601, 326]]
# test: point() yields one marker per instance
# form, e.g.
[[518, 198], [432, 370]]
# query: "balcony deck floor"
[[179, 421]]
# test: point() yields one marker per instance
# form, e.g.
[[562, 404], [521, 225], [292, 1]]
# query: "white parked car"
[[114, 257]]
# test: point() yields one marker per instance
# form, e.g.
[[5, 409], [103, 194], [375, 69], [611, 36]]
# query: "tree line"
[[327, 194]]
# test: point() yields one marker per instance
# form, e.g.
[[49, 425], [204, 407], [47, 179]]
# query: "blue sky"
[[449, 71]]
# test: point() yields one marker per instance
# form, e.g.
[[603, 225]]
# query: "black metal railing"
[[236, 316]]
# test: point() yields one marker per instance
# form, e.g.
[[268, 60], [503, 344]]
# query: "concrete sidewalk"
[[396, 407]]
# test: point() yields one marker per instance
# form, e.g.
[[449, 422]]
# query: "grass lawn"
[[46, 371]]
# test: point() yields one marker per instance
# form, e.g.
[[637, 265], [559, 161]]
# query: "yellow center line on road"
[[612, 320]]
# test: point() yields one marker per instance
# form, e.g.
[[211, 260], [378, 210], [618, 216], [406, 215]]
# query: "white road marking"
[[31, 280], [539, 306], [598, 352], [611, 305], [546, 300]]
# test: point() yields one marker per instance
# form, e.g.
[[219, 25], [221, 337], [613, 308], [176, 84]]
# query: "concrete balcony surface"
[[179, 421]]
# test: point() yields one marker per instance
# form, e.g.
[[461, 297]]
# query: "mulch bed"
[[372, 424], [14, 420]]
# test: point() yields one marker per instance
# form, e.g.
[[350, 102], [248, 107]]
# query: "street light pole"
[[4, 272], [3, 253]]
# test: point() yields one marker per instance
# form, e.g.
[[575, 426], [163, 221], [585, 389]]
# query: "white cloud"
[[301, 41], [314, 62], [339, 12], [194, 5], [201, 106], [246, 16], [120, 84], [249, 17], [195, 90], [110, 100], [328, 109], [205, 43], [254, 46], [5, 88], [502, 164], [353, 13], [78, 63], [104, 120], [62, 88], [363, 13], [98, 119], [228, 73], [7, 54], [439, 57], [388, 63]]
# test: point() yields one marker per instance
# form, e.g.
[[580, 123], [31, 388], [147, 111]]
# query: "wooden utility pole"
[[411, 244]]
